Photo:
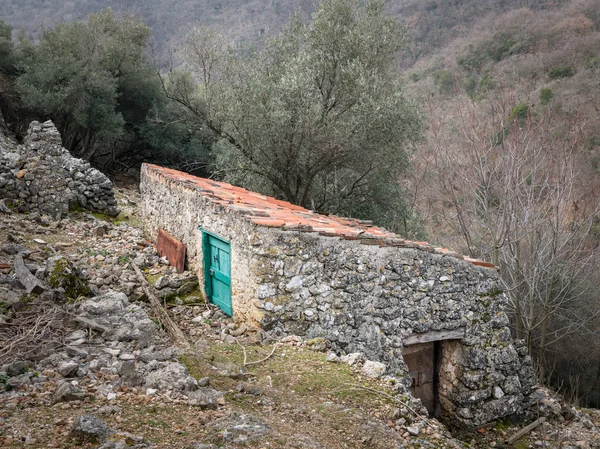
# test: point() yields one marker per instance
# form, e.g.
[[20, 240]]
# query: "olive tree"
[[317, 116], [93, 79]]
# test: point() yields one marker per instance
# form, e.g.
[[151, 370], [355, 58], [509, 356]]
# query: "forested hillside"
[[509, 171], [430, 24], [482, 135]]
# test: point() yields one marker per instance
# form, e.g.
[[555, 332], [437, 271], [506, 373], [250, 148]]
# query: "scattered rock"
[[68, 369], [373, 369], [413, 430], [16, 368], [31, 283], [206, 397], [240, 428], [333, 358], [352, 359], [66, 392], [174, 376], [88, 428]]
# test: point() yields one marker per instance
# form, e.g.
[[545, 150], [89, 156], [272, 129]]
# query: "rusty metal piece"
[[171, 248]]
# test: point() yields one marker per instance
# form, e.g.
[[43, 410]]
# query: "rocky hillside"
[[87, 361]]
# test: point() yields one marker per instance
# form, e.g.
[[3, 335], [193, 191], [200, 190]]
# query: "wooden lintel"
[[427, 337]]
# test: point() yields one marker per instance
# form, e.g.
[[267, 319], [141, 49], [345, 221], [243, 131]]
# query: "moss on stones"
[[64, 275]]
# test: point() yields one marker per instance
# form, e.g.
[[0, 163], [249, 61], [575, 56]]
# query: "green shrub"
[[444, 80], [470, 85], [557, 72], [493, 49], [500, 47], [545, 95], [520, 112], [414, 77]]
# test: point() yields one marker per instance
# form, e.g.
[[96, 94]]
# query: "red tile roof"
[[266, 211]]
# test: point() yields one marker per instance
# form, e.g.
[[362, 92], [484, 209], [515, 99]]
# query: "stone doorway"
[[432, 360], [423, 361]]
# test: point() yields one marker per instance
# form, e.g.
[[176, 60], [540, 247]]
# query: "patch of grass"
[[523, 443], [194, 365], [104, 217], [152, 278], [545, 95]]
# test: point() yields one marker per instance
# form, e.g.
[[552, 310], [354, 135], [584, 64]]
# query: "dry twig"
[[32, 330], [246, 363]]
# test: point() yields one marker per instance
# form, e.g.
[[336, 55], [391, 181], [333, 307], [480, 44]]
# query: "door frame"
[[206, 263]]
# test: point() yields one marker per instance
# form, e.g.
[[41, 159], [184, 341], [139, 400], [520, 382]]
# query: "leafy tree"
[[93, 79], [7, 57], [177, 143], [444, 80], [317, 117]]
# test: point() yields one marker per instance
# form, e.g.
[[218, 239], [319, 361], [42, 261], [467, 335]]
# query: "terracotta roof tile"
[[270, 212]]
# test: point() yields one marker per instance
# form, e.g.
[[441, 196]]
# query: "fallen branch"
[[32, 331], [163, 316], [525, 430], [246, 363]]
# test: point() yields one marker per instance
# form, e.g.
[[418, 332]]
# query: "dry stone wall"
[[369, 299], [180, 210], [41, 175], [361, 298]]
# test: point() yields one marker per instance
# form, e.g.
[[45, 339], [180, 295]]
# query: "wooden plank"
[[525, 430], [427, 337]]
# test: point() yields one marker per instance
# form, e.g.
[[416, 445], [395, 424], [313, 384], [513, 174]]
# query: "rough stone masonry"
[[361, 293], [41, 175]]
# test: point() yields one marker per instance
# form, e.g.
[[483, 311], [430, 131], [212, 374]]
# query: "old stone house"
[[436, 319]]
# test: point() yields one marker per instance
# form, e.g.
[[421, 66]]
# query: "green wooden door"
[[217, 267]]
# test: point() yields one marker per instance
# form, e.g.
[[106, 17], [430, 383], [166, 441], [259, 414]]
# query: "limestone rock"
[[373, 369], [174, 376], [16, 368], [29, 281], [66, 392], [68, 369], [333, 358], [352, 358], [240, 428], [89, 428], [205, 397]]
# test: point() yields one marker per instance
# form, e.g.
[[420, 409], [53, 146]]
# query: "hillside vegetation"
[[506, 168]]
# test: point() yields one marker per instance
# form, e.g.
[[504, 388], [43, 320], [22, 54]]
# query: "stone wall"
[[361, 298], [180, 210], [41, 175]]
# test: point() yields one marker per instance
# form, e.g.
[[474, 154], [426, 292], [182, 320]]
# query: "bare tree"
[[507, 181]]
